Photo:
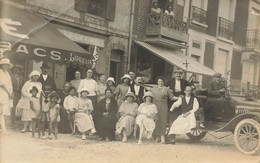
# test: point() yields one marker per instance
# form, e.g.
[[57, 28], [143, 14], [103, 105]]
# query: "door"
[[59, 76]]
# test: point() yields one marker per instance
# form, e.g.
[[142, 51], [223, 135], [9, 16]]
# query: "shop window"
[[100, 8]]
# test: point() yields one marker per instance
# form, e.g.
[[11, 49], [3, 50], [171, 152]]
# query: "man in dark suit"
[[178, 86], [137, 89], [46, 80]]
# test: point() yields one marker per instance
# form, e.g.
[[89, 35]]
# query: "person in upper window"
[[155, 8], [169, 11]]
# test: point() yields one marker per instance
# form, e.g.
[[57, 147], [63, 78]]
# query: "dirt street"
[[21, 148]]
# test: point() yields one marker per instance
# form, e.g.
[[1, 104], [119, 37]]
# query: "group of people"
[[100, 107]]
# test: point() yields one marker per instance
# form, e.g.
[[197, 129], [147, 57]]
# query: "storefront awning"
[[27, 33], [177, 59]]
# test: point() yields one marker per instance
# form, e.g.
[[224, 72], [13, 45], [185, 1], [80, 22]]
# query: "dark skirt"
[[107, 127], [64, 125]]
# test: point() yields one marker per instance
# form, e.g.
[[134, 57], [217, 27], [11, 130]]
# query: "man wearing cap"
[[17, 82], [215, 87]]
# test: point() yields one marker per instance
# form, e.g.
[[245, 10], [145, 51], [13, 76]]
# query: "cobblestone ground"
[[21, 148]]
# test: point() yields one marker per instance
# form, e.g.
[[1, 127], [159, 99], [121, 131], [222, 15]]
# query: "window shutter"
[[110, 10], [81, 5]]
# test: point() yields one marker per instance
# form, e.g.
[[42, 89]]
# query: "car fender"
[[230, 126]]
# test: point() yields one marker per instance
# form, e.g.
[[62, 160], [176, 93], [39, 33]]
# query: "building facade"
[[101, 25], [223, 35]]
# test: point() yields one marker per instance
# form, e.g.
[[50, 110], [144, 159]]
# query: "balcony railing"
[[225, 28], [199, 15], [253, 39]]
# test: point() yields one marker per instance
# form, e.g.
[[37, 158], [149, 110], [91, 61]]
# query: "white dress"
[[6, 103], [183, 125], [145, 110], [24, 103]]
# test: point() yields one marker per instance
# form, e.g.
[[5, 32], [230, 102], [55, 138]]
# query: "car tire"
[[247, 136], [196, 135]]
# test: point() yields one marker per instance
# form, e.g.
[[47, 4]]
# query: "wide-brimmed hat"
[[131, 94], [217, 75], [34, 73], [6, 61], [148, 94], [84, 90], [45, 66], [126, 76], [111, 79], [178, 71]]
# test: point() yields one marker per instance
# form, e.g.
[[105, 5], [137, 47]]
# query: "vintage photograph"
[[112, 81]]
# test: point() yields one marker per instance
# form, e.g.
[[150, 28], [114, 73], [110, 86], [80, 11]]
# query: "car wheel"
[[196, 134], [247, 136]]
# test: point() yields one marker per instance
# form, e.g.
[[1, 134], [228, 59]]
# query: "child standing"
[[54, 114], [35, 110], [70, 105], [83, 117]]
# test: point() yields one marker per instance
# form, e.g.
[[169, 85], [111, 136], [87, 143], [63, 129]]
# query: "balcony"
[[199, 16], [225, 28], [165, 30], [252, 40]]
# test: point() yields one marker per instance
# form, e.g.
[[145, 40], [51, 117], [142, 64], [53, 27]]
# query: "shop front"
[[32, 40], [153, 61]]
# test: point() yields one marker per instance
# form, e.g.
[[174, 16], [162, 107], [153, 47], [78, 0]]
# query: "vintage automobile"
[[232, 113]]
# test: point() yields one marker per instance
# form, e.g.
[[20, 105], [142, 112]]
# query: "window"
[[100, 8], [196, 44], [195, 57], [221, 61]]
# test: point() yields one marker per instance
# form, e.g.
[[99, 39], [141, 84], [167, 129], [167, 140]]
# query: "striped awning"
[[176, 58]]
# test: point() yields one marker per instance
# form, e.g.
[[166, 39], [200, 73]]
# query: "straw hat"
[[148, 94], [6, 61], [126, 76], [131, 94], [111, 79], [34, 73]]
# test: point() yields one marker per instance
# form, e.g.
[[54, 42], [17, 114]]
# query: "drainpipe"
[[130, 33]]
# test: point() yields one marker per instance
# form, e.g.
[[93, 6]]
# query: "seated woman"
[[147, 112], [83, 117], [169, 11], [155, 16], [128, 112], [108, 111]]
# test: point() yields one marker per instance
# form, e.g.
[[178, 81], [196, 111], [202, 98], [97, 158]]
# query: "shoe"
[[139, 142], [5, 133], [101, 139], [51, 136], [157, 140], [23, 130], [107, 139], [124, 140], [44, 137], [83, 137], [202, 126], [172, 141]]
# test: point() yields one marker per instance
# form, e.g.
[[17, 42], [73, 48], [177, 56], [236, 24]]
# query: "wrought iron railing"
[[253, 39], [225, 28], [199, 15], [167, 21]]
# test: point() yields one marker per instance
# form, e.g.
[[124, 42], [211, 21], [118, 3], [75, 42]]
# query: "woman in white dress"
[[23, 105], [6, 92], [128, 112], [147, 112]]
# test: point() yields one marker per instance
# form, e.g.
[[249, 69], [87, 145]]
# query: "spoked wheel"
[[247, 136], [196, 134]]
